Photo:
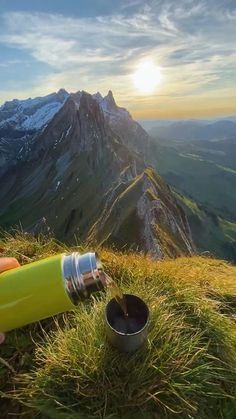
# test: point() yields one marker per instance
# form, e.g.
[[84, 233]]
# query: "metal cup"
[[127, 333]]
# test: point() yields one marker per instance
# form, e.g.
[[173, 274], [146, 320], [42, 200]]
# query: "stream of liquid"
[[117, 293]]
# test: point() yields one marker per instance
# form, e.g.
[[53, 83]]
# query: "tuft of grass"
[[186, 369]]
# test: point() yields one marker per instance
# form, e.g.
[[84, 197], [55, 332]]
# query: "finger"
[[8, 263], [2, 338]]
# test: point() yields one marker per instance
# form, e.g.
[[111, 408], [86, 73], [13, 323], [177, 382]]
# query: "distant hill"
[[203, 174], [194, 130]]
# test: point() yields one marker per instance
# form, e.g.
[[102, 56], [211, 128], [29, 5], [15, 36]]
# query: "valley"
[[203, 175]]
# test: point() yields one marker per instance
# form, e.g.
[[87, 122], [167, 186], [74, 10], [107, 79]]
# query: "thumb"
[[8, 263]]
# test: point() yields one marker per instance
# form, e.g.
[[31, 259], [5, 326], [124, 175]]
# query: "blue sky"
[[98, 45]]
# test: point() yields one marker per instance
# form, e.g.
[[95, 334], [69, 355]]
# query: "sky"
[[101, 45]]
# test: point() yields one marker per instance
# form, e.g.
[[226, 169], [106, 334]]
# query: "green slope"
[[210, 232], [198, 171], [200, 178]]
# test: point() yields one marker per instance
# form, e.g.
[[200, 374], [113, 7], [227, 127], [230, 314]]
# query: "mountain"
[[194, 130], [203, 175], [123, 125], [30, 114], [21, 120], [75, 165]]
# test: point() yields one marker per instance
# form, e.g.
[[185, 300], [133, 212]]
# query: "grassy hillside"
[[64, 368], [204, 174], [210, 232], [197, 172]]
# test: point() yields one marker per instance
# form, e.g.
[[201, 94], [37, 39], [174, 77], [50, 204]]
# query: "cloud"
[[8, 63], [131, 3], [193, 43]]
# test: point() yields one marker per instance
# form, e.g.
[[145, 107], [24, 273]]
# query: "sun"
[[147, 77]]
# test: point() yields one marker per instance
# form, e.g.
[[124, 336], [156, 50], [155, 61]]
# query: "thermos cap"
[[83, 275]]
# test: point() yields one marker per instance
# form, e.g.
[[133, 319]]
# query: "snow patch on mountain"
[[41, 116], [110, 108], [68, 131], [31, 114]]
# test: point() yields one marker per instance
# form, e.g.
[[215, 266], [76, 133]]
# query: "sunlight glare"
[[147, 77]]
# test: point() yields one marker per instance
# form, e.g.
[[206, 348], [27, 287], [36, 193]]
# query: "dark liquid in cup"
[[127, 324], [133, 321]]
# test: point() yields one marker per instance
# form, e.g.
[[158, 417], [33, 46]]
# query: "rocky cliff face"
[[122, 123], [81, 172], [142, 214]]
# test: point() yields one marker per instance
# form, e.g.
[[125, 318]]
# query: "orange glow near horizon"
[[191, 108], [181, 114]]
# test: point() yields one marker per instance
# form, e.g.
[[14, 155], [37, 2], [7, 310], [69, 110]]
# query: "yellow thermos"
[[47, 287]]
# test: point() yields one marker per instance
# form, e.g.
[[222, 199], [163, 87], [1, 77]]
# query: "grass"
[[210, 232], [229, 229], [188, 203], [65, 368]]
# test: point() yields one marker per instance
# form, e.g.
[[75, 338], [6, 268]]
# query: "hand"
[[5, 265]]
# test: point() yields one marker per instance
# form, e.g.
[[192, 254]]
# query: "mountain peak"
[[62, 91], [97, 96], [110, 100], [110, 94]]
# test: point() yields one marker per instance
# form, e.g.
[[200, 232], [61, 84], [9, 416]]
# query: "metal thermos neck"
[[83, 275]]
